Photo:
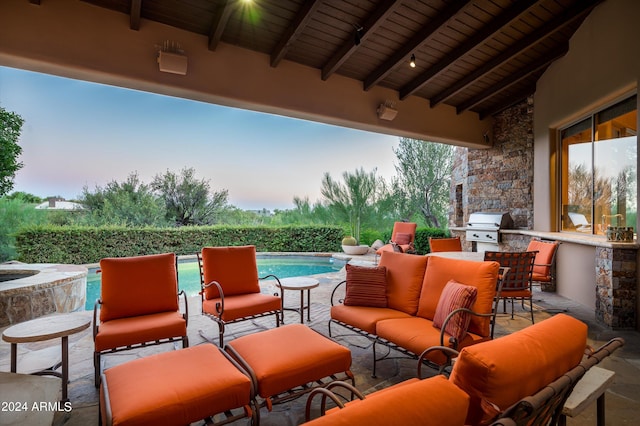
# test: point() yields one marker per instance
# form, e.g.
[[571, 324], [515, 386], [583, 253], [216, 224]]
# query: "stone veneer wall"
[[499, 178], [616, 283]]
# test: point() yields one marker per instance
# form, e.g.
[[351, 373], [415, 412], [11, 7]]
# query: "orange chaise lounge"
[[403, 235]]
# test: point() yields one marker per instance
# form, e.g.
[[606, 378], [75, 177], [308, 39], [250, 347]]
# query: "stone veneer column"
[[499, 178], [616, 287]]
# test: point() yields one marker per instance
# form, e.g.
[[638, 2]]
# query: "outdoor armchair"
[[138, 305], [230, 287], [544, 268]]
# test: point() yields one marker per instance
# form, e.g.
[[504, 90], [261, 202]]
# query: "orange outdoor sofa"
[[486, 380], [408, 301]]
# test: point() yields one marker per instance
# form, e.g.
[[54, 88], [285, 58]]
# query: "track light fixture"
[[357, 36], [412, 61]]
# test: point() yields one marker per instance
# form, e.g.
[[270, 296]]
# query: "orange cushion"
[[482, 275], [444, 244], [364, 317], [455, 296], [404, 280], [366, 286], [541, 278], [145, 328], [433, 401], [234, 268], [244, 305], [170, 388], [504, 370], [289, 356], [545, 255], [417, 334], [138, 285]]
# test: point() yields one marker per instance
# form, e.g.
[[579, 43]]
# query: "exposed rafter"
[[294, 30], [135, 14], [474, 43], [488, 30], [578, 10], [368, 27], [219, 23], [383, 70], [513, 99], [515, 78]]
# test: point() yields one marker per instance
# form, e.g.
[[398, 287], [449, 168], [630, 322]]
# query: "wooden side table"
[[46, 328], [301, 284]]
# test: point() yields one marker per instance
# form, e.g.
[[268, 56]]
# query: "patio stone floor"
[[622, 399]]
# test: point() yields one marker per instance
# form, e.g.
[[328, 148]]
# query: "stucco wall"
[[602, 66]]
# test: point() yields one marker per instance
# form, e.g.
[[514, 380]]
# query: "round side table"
[[46, 328], [301, 284]]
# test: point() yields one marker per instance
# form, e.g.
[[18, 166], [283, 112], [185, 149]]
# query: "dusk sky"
[[78, 133]]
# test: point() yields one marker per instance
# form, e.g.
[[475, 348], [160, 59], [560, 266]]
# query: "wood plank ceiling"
[[478, 55]]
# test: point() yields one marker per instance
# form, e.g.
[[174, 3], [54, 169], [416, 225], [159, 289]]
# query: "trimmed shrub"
[[81, 245]]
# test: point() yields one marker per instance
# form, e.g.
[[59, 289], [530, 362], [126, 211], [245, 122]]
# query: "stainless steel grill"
[[485, 226]]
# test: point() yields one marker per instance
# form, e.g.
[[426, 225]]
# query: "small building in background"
[[55, 203]]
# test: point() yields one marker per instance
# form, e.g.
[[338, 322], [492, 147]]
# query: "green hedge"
[[80, 245]]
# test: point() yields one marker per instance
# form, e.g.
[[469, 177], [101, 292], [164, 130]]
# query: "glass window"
[[599, 170]]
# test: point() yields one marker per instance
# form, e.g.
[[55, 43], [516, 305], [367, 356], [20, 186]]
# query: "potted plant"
[[350, 246]]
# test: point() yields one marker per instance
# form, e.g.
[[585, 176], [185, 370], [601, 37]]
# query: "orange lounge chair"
[[403, 236], [138, 305], [231, 289]]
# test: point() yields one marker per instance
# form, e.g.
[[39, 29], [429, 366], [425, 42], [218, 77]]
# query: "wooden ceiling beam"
[[487, 31], [420, 37], [373, 21], [219, 23], [294, 30], [135, 14], [556, 53], [513, 99], [576, 11]]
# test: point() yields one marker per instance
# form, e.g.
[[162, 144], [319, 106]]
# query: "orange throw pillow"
[[454, 296], [366, 286]]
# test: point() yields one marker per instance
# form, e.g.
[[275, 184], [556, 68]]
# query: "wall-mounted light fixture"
[[172, 59], [387, 111], [412, 61]]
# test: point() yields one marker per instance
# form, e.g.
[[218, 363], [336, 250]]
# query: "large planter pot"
[[356, 250]]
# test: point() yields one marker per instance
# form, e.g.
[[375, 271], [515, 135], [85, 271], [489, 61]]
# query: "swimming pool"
[[282, 266]]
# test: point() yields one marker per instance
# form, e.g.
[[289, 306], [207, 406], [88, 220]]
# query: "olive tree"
[[424, 178], [10, 128], [189, 201]]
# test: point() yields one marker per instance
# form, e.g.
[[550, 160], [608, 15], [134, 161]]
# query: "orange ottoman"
[[178, 387], [289, 358]]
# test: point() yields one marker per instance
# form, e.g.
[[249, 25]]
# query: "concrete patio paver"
[[622, 399]]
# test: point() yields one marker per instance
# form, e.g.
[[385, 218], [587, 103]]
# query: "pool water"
[[280, 266]]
